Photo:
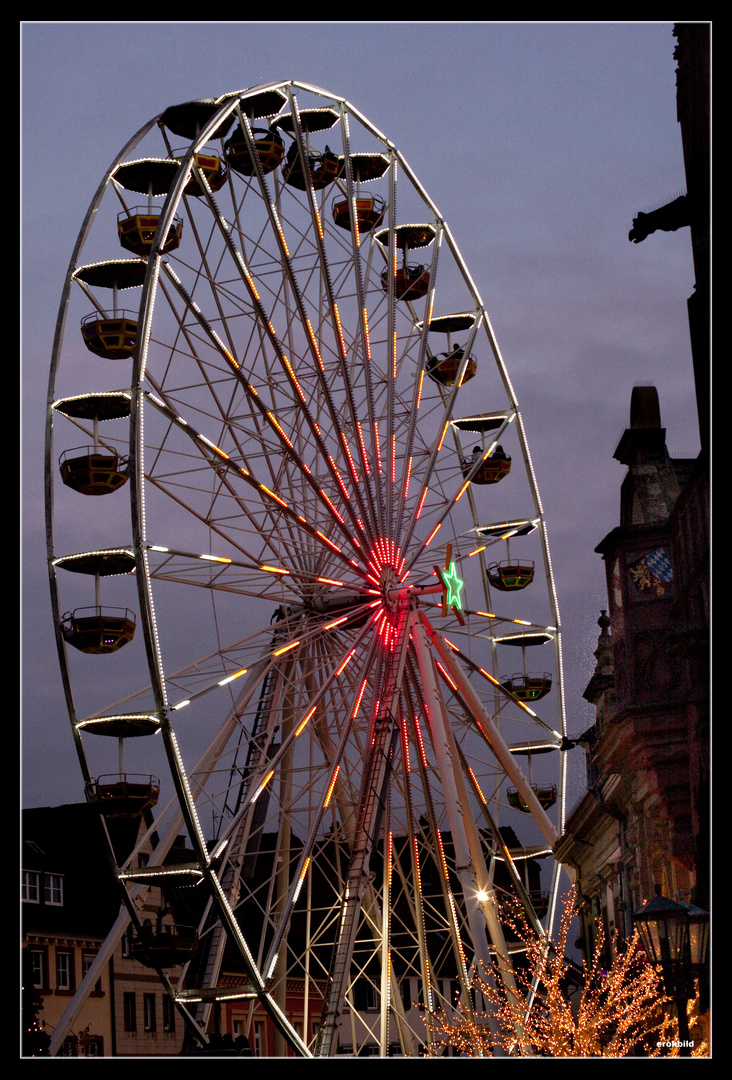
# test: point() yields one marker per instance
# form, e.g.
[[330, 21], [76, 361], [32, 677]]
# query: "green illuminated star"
[[454, 586]]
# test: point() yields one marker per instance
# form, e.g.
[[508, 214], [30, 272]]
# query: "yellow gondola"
[[90, 472], [124, 796]]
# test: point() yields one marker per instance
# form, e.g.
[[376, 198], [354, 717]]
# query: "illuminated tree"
[[34, 1039], [620, 1009]]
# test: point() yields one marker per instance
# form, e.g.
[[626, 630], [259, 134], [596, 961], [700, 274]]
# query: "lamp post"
[[675, 937]]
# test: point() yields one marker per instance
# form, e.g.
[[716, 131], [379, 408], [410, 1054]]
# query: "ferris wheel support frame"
[[470, 863]]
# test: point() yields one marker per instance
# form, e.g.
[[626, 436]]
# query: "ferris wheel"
[[299, 572]]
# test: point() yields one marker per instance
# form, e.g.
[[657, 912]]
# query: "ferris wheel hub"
[[388, 580]]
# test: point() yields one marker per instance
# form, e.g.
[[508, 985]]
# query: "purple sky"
[[538, 142]]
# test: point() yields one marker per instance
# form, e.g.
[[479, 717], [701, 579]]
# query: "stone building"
[[643, 821]]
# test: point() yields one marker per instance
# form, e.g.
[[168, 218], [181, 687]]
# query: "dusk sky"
[[538, 142]]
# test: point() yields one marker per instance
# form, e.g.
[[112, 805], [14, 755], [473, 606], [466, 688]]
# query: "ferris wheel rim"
[[140, 400]]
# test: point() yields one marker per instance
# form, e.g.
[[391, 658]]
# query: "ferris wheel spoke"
[[304, 319], [273, 502], [497, 743], [361, 342], [448, 502], [283, 444], [302, 717], [428, 839]]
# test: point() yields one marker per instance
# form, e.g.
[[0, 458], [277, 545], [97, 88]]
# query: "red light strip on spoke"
[[293, 377], [419, 391], [431, 537], [285, 648], [363, 448], [275, 422], [446, 676], [420, 742], [328, 542], [272, 495], [489, 677], [321, 234], [405, 744], [347, 659], [378, 448], [339, 478], [304, 721], [462, 490], [331, 786], [474, 778], [339, 328], [366, 334], [351, 462], [332, 507], [361, 692], [314, 344]]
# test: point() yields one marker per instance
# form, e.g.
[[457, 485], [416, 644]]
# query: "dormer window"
[[30, 887], [53, 892]]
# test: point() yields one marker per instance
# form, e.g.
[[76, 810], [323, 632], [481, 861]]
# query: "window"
[[129, 1006], [148, 1005], [53, 889], [87, 959], [366, 996], [86, 1046], [168, 1014], [29, 890], [39, 968], [92, 1046], [64, 971], [259, 1045]]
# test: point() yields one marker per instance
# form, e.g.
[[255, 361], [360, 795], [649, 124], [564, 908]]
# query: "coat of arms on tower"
[[652, 574]]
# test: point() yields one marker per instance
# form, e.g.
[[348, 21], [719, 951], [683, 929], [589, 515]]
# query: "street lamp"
[[675, 937]]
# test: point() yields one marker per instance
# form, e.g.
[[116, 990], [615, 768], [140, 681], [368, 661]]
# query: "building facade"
[[642, 822], [69, 903]]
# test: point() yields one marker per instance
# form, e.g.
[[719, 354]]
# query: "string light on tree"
[[619, 1011]]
